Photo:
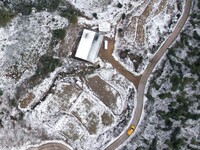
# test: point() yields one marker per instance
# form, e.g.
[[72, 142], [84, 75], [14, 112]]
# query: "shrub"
[[25, 7], [46, 65], [165, 95], [59, 34], [196, 36], [120, 30], [153, 145], [95, 15], [119, 5], [71, 13], [149, 97], [123, 16], [5, 17], [198, 5], [51, 5], [1, 92]]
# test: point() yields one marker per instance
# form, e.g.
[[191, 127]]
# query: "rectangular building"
[[89, 46]]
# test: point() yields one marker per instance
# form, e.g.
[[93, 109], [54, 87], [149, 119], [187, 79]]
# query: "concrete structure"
[[89, 46], [105, 44], [104, 27]]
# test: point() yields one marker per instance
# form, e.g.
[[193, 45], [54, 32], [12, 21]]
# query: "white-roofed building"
[[89, 46], [104, 27]]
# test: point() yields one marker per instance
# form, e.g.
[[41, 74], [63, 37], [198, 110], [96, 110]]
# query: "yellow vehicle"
[[131, 130]]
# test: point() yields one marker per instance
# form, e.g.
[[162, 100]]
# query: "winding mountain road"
[[139, 81], [143, 81]]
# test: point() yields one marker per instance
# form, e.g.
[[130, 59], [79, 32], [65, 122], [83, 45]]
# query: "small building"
[[105, 44], [89, 46], [104, 27]]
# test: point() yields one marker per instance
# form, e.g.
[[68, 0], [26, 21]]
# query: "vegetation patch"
[[1, 92], [25, 7], [5, 17], [46, 65], [182, 97], [57, 35], [71, 13]]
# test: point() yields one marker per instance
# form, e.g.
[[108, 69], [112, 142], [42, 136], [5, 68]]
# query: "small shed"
[[104, 27], [89, 45]]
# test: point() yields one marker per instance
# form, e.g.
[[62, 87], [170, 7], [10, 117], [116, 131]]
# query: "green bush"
[[198, 5], [46, 65], [25, 7], [196, 36], [59, 34], [51, 5], [5, 17], [165, 95], [174, 142], [153, 145], [1, 92], [71, 13]]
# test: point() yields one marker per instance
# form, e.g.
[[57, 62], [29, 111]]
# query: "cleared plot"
[[106, 93], [24, 103], [56, 104], [131, 30], [94, 117], [64, 95], [140, 35], [70, 127]]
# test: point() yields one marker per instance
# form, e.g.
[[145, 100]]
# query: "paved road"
[[139, 82], [50, 146], [148, 71]]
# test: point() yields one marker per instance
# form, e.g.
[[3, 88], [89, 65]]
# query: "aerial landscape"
[[100, 75]]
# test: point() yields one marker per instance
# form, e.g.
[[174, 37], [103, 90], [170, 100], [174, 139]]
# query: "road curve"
[[50, 146], [142, 84]]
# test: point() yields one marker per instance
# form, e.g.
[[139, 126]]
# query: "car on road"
[[131, 130]]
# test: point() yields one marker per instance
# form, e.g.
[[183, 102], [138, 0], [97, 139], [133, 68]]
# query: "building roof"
[[104, 27], [89, 46]]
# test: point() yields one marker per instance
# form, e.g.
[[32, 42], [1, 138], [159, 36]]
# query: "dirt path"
[[141, 87], [106, 55]]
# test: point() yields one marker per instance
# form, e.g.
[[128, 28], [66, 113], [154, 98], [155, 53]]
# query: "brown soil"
[[99, 87], [27, 100], [107, 119], [106, 55]]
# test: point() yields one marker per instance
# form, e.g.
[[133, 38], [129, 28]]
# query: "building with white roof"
[[104, 27], [89, 46]]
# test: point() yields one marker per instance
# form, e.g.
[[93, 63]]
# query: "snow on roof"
[[104, 27], [106, 44], [89, 45]]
